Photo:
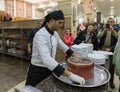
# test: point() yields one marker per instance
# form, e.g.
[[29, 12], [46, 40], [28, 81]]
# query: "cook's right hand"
[[77, 79]]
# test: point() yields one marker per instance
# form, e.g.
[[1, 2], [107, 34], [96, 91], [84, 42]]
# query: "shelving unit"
[[14, 42], [13, 38]]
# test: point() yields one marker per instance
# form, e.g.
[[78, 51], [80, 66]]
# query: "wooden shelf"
[[19, 56], [16, 32], [14, 46]]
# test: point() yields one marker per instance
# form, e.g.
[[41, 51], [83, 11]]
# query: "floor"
[[13, 74]]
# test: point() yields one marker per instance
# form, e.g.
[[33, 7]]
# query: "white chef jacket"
[[44, 49]]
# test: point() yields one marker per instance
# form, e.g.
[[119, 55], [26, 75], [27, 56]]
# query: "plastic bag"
[[30, 89]]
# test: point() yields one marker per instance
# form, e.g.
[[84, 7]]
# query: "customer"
[[68, 39], [95, 28], [87, 36], [116, 59], [108, 38], [31, 36], [45, 44]]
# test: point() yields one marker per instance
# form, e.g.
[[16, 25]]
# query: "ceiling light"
[[79, 1], [111, 7], [111, 0], [94, 8]]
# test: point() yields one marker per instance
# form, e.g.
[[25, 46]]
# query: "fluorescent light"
[[111, 7], [111, 0], [94, 8]]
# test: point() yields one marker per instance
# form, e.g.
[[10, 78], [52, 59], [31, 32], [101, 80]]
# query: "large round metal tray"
[[101, 77]]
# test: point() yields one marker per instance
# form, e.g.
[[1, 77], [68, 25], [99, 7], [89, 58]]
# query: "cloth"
[[31, 36], [36, 75], [116, 57], [43, 60], [57, 15], [44, 48], [103, 41], [107, 41], [68, 39], [45, 44], [81, 38]]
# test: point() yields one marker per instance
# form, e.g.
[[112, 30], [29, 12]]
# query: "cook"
[[45, 43]]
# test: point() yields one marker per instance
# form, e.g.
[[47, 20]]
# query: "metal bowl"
[[101, 77]]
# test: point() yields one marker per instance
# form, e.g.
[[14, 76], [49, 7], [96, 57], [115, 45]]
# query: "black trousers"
[[36, 75]]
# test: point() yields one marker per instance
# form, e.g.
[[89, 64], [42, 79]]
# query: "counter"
[[51, 84]]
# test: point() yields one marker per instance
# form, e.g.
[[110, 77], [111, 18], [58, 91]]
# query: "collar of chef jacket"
[[48, 29]]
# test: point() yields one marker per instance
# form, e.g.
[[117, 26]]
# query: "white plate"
[[96, 56], [103, 52]]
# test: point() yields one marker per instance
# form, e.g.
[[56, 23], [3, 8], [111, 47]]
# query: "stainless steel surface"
[[101, 77]]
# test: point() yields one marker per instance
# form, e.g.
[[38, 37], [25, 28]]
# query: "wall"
[[2, 5], [117, 19]]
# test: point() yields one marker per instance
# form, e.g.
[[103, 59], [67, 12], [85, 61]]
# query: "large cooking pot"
[[82, 67]]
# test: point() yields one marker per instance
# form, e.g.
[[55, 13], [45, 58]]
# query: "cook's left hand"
[[77, 79], [74, 55]]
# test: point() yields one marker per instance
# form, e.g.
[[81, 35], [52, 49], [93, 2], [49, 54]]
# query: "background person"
[[68, 39], [31, 36], [87, 36], [95, 28], [108, 39]]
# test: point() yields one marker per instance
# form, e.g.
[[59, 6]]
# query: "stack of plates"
[[106, 53], [97, 58], [82, 49]]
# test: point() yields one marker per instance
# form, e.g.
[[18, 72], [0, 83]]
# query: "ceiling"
[[106, 7]]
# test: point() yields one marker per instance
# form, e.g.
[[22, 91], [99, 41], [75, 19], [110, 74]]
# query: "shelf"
[[1, 51], [14, 46], [19, 56], [13, 37], [7, 37]]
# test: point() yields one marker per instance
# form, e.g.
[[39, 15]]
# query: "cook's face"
[[58, 24]]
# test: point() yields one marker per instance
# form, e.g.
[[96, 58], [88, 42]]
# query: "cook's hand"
[[75, 56], [77, 79]]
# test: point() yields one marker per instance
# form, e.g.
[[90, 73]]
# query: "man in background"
[[31, 36]]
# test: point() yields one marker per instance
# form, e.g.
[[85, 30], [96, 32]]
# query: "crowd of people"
[[105, 38]]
